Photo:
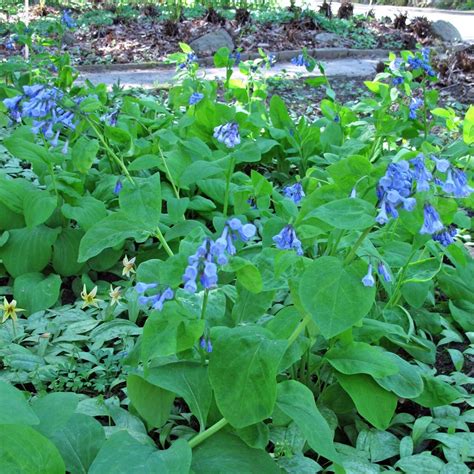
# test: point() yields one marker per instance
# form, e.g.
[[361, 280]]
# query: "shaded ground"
[[150, 34]]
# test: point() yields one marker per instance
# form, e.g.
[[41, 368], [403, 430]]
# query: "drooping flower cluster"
[[203, 265], [67, 20], [191, 58], [157, 300], [228, 134], [395, 189], [300, 60], [415, 104], [382, 270], [423, 62], [205, 344], [294, 192], [286, 239], [195, 98], [236, 57], [42, 104]]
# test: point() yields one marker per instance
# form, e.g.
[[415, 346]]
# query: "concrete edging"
[[287, 55]]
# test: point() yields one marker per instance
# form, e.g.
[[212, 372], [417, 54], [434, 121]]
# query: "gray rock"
[[209, 43], [325, 38], [445, 31], [68, 38]]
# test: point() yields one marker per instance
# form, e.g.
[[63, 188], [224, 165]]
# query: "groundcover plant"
[[201, 284]]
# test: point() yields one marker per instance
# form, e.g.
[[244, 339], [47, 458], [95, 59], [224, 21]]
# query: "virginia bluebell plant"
[[155, 301], [41, 103], [195, 98], [300, 60], [294, 192], [191, 58], [204, 263], [415, 104], [286, 239], [227, 134], [67, 20], [395, 190], [422, 62], [369, 279]]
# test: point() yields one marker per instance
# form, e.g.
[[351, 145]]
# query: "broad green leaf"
[[225, 453], [66, 252], [77, 437], [255, 436], [407, 383], [423, 270], [373, 403], [23, 450], [379, 445], [86, 212], [141, 201], [242, 371], [299, 463], [122, 454], [14, 408], [189, 380], [348, 214], [198, 170], [152, 403], [38, 207], [35, 292], [84, 153], [28, 250], [328, 290], [361, 358], [436, 392], [170, 331], [424, 463], [297, 401], [109, 232], [468, 126]]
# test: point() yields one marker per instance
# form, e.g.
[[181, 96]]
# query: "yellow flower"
[[89, 298], [9, 310], [128, 266], [115, 295]]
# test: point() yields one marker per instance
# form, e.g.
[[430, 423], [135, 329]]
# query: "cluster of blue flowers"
[[195, 98], [228, 134], [369, 279], [422, 63], [155, 301], [236, 57], [9, 43], [395, 189], [41, 103], [67, 20], [286, 239], [191, 58], [203, 265], [300, 60], [294, 192], [415, 104], [205, 344]]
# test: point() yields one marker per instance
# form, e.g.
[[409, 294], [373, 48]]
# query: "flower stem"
[[163, 242], [299, 329], [111, 153], [204, 303], [170, 177], [198, 439], [230, 172], [360, 240]]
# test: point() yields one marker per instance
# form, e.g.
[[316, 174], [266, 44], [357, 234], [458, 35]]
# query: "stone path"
[[156, 77]]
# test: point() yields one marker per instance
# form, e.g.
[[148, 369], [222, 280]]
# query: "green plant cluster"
[[204, 284]]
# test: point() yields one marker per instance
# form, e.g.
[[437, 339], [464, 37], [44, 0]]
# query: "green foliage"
[[215, 285]]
